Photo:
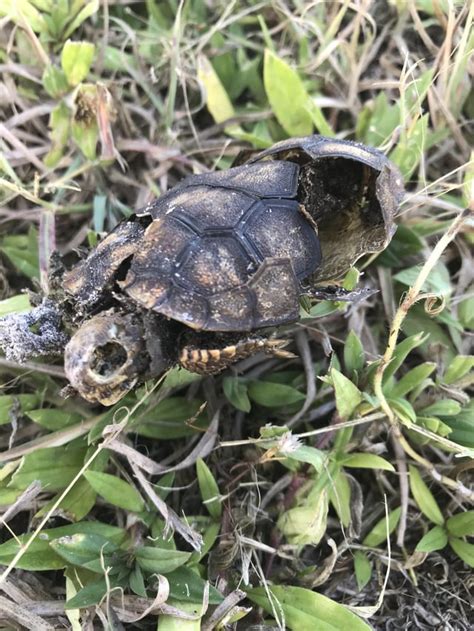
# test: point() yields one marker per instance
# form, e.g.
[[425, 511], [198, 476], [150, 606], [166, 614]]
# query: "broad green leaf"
[[411, 147], [435, 539], [354, 358], [178, 377], [362, 568], [402, 350], [460, 366], [9, 403], [93, 592], [378, 534], [167, 419], [23, 10], [137, 582], [319, 120], [462, 425], [466, 313], [274, 395], [424, 498], [84, 127], [366, 461], [55, 81], [187, 586], [403, 409], [438, 282], [15, 304], [443, 407], [463, 549], [86, 11], [306, 524], [60, 124], [287, 95], [209, 489], [54, 467], [175, 623], [54, 419], [235, 390], [76, 505], [308, 454], [22, 250], [305, 609], [348, 396], [115, 491], [412, 379], [217, 100], [160, 560], [340, 497], [461, 524], [76, 60], [90, 551], [40, 555]]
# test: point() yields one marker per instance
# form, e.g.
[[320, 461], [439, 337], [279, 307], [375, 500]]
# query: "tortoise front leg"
[[212, 359]]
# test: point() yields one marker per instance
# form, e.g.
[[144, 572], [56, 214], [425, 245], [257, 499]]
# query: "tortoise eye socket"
[[106, 357]]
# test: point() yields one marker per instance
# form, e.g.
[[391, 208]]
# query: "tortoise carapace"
[[199, 275]]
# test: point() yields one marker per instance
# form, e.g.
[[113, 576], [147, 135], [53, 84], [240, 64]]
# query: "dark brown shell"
[[227, 251], [351, 191]]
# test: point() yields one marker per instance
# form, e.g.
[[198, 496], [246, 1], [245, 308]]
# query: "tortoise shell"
[[226, 251]]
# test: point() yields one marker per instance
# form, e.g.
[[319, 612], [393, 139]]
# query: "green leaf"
[[15, 304], [55, 81], [115, 491], [443, 407], [403, 409], [287, 96], [209, 489], [54, 419], [87, 10], [348, 396], [76, 60], [306, 524], [411, 147], [90, 551], [235, 390], [366, 461], [462, 425], [463, 549], [460, 366], [167, 419], [362, 568], [402, 350], [461, 524], [424, 498], [466, 313], [92, 593], [54, 467], [84, 127], [76, 505], [354, 358], [378, 534], [217, 99], [305, 609], [40, 556], [412, 379], [274, 395], [438, 282], [160, 560], [60, 124], [10, 403], [187, 586], [435, 539], [340, 497], [310, 455], [137, 582], [22, 250], [175, 623]]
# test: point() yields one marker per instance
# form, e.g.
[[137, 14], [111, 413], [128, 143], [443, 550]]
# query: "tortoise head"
[[109, 354]]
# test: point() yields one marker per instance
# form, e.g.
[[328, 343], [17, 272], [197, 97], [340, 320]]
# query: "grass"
[[333, 487]]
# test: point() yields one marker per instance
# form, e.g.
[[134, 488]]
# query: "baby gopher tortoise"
[[192, 277]]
